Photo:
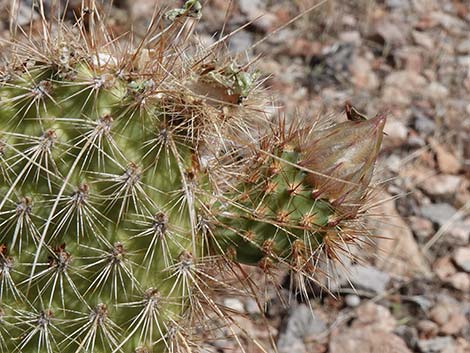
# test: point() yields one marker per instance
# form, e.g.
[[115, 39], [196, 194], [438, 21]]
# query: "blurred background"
[[408, 59]]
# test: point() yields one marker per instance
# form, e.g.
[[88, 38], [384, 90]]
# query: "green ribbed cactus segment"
[[272, 212], [283, 210], [94, 228], [128, 175]]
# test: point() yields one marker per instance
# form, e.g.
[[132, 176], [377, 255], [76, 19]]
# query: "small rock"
[[304, 48], [394, 163], [441, 185], [434, 345], [423, 39], [460, 281], [353, 37], [454, 325], [396, 131], [362, 74], [441, 313], [24, 14], [409, 58], [392, 33], [368, 278], [464, 60], [240, 41], [461, 345], [444, 268], [408, 333], [348, 20], [252, 307], [424, 124], [452, 24], [401, 86], [439, 213], [461, 258], [436, 91], [407, 80], [464, 47], [415, 141], [366, 340], [421, 227], [459, 233], [206, 348], [398, 4], [255, 10], [427, 329], [400, 253], [422, 301], [446, 161], [301, 324], [234, 304], [251, 7], [352, 300], [376, 315]]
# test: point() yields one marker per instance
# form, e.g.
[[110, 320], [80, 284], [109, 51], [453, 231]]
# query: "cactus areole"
[[131, 178]]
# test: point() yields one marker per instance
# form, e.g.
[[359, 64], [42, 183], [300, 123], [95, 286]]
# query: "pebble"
[[401, 86], [452, 24], [391, 32], [436, 91], [408, 333], [396, 131], [459, 233], [421, 227], [441, 313], [301, 324], [427, 329], [446, 161], [368, 340], [434, 345], [423, 124], [352, 300], [416, 141], [455, 323], [461, 345], [252, 307], [464, 60], [24, 14], [353, 37], [234, 304], [255, 10], [368, 278], [399, 252], [409, 58], [444, 268], [461, 258], [423, 39], [398, 4], [249, 7], [439, 213], [441, 185], [449, 317], [394, 164], [379, 316], [240, 41], [464, 47], [362, 75], [460, 281]]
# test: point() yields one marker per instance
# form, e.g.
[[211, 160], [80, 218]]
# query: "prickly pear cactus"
[[133, 176]]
